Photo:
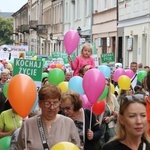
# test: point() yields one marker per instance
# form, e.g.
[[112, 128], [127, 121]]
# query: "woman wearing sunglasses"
[[71, 105], [132, 126]]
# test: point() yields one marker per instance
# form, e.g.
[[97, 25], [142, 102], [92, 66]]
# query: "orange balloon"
[[59, 66], [22, 94]]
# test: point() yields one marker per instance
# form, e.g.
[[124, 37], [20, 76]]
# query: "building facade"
[[121, 27], [134, 31], [104, 27]]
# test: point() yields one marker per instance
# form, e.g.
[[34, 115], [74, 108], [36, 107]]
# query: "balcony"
[[25, 28], [18, 29], [42, 30], [33, 24]]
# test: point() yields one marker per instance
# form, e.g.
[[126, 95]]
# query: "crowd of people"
[[123, 125]]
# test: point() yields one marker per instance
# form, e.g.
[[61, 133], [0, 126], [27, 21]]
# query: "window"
[[56, 12], [104, 45], [104, 5], [87, 7], [78, 9], [113, 3], [66, 12]]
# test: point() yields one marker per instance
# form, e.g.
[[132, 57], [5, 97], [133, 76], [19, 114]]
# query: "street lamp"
[[79, 31], [86, 37], [58, 41]]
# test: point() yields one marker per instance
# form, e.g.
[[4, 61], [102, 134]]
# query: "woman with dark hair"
[[71, 105], [132, 126]]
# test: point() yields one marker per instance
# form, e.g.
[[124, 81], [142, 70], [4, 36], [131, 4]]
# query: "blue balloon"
[[75, 84], [11, 61], [105, 70]]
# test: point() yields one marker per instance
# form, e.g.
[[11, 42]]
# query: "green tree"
[[6, 30]]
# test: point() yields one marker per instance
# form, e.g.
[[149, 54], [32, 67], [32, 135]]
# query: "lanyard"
[[42, 133]]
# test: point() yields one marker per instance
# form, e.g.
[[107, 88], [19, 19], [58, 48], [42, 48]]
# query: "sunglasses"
[[127, 100], [67, 107], [135, 96]]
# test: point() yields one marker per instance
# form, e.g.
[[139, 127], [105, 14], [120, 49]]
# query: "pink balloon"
[[71, 41], [129, 73], [86, 104], [118, 72], [93, 84]]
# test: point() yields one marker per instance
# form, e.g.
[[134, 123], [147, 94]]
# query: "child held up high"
[[82, 60]]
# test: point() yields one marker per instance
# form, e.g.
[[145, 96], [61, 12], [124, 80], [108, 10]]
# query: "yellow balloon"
[[112, 88], [34, 58], [124, 82], [63, 86], [64, 146], [10, 65]]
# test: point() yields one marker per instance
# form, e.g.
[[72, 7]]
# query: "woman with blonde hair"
[[132, 126], [108, 118]]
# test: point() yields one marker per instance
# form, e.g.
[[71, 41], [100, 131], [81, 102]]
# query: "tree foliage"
[[6, 30]]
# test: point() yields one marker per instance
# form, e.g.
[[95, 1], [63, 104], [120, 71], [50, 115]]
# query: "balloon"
[[104, 94], [112, 88], [59, 66], [93, 84], [22, 93], [52, 66], [118, 72], [34, 58], [5, 143], [5, 90], [44, 74], [56, 76], [141, 75], [85, 103], [75, 84], [1, 66], [10, 65], [71, 41], [105, 70], [63, 86], [64, 146], [129, 73], [4, 62], [98, 107], [124, 82], [45, 65], [11, 61]]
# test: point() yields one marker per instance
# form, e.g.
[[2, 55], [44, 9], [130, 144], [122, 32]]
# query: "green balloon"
[[56, 76], [5, 143], [5, 90], [104, 94], [141, 75]]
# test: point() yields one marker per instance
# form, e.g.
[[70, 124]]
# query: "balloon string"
[[25, 133], [91, 117]]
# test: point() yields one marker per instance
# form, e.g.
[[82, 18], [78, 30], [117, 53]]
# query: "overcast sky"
[[11, 5]]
